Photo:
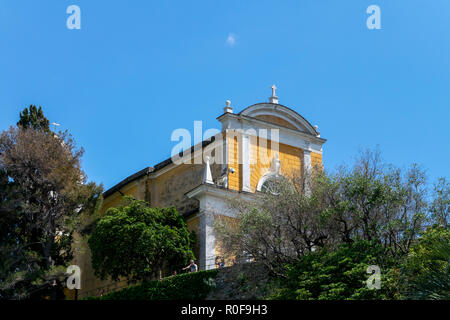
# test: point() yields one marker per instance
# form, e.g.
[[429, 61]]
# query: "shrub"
[[340, 274], [190, 286], [426, 273]]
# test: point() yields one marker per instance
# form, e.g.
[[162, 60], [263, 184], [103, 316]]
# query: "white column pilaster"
[[307, 169], [225, 151], [307, 161], [245, 152], [207, 240]]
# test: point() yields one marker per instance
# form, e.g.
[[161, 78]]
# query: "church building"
[[261, 142]]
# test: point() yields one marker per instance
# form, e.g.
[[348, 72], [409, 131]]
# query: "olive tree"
[[370, 201]]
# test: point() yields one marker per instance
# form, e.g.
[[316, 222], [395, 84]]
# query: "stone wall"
[[170, 188]]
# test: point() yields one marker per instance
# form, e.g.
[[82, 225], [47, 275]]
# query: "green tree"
[[44, 199], [373, 200], [137, 242], [440, 207], [33, 118], [368, 201], [340, 274], [426, 272], [280, 226]]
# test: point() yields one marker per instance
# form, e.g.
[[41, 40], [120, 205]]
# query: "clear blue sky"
[[137, 70]]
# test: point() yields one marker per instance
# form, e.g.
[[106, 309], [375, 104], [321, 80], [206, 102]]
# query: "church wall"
[[290, 160], [234, 179], [219, 249], [193, 224], [90, 284], [114, 200], [316, 160], [166, 190], [170, 187]]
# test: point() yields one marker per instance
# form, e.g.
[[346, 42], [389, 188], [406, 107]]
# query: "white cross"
[[273, 90]]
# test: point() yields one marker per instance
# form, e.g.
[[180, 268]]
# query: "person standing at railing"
[[192, 267]]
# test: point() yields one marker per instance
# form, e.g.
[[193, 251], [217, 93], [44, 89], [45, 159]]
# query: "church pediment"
[[279, 115], [276, 120]]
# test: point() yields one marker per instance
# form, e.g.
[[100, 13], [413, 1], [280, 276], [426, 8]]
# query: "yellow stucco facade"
[[298, 148]]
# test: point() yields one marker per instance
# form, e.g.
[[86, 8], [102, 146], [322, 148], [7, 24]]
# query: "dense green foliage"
[[426, 272], [440, 207], [137, 242], [44, 200], [189, 286], [33, 118], [315, 231], [340, 274]]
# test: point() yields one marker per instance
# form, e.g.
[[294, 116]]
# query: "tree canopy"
[[33, 118], [311, 220], [44, 199], [426, 272], [340, 274], [136, 241]]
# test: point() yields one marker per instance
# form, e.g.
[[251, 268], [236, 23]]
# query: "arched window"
[[270, 182], [272, 186]]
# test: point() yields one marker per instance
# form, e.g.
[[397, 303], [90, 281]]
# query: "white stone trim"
[[220, 193], [307, 161], [274, 172], [264, 178], [213, 201], [307, 170], [207, 240], [224, 154], [286, 136], [245, 153], [207, 176], [282, 112]]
